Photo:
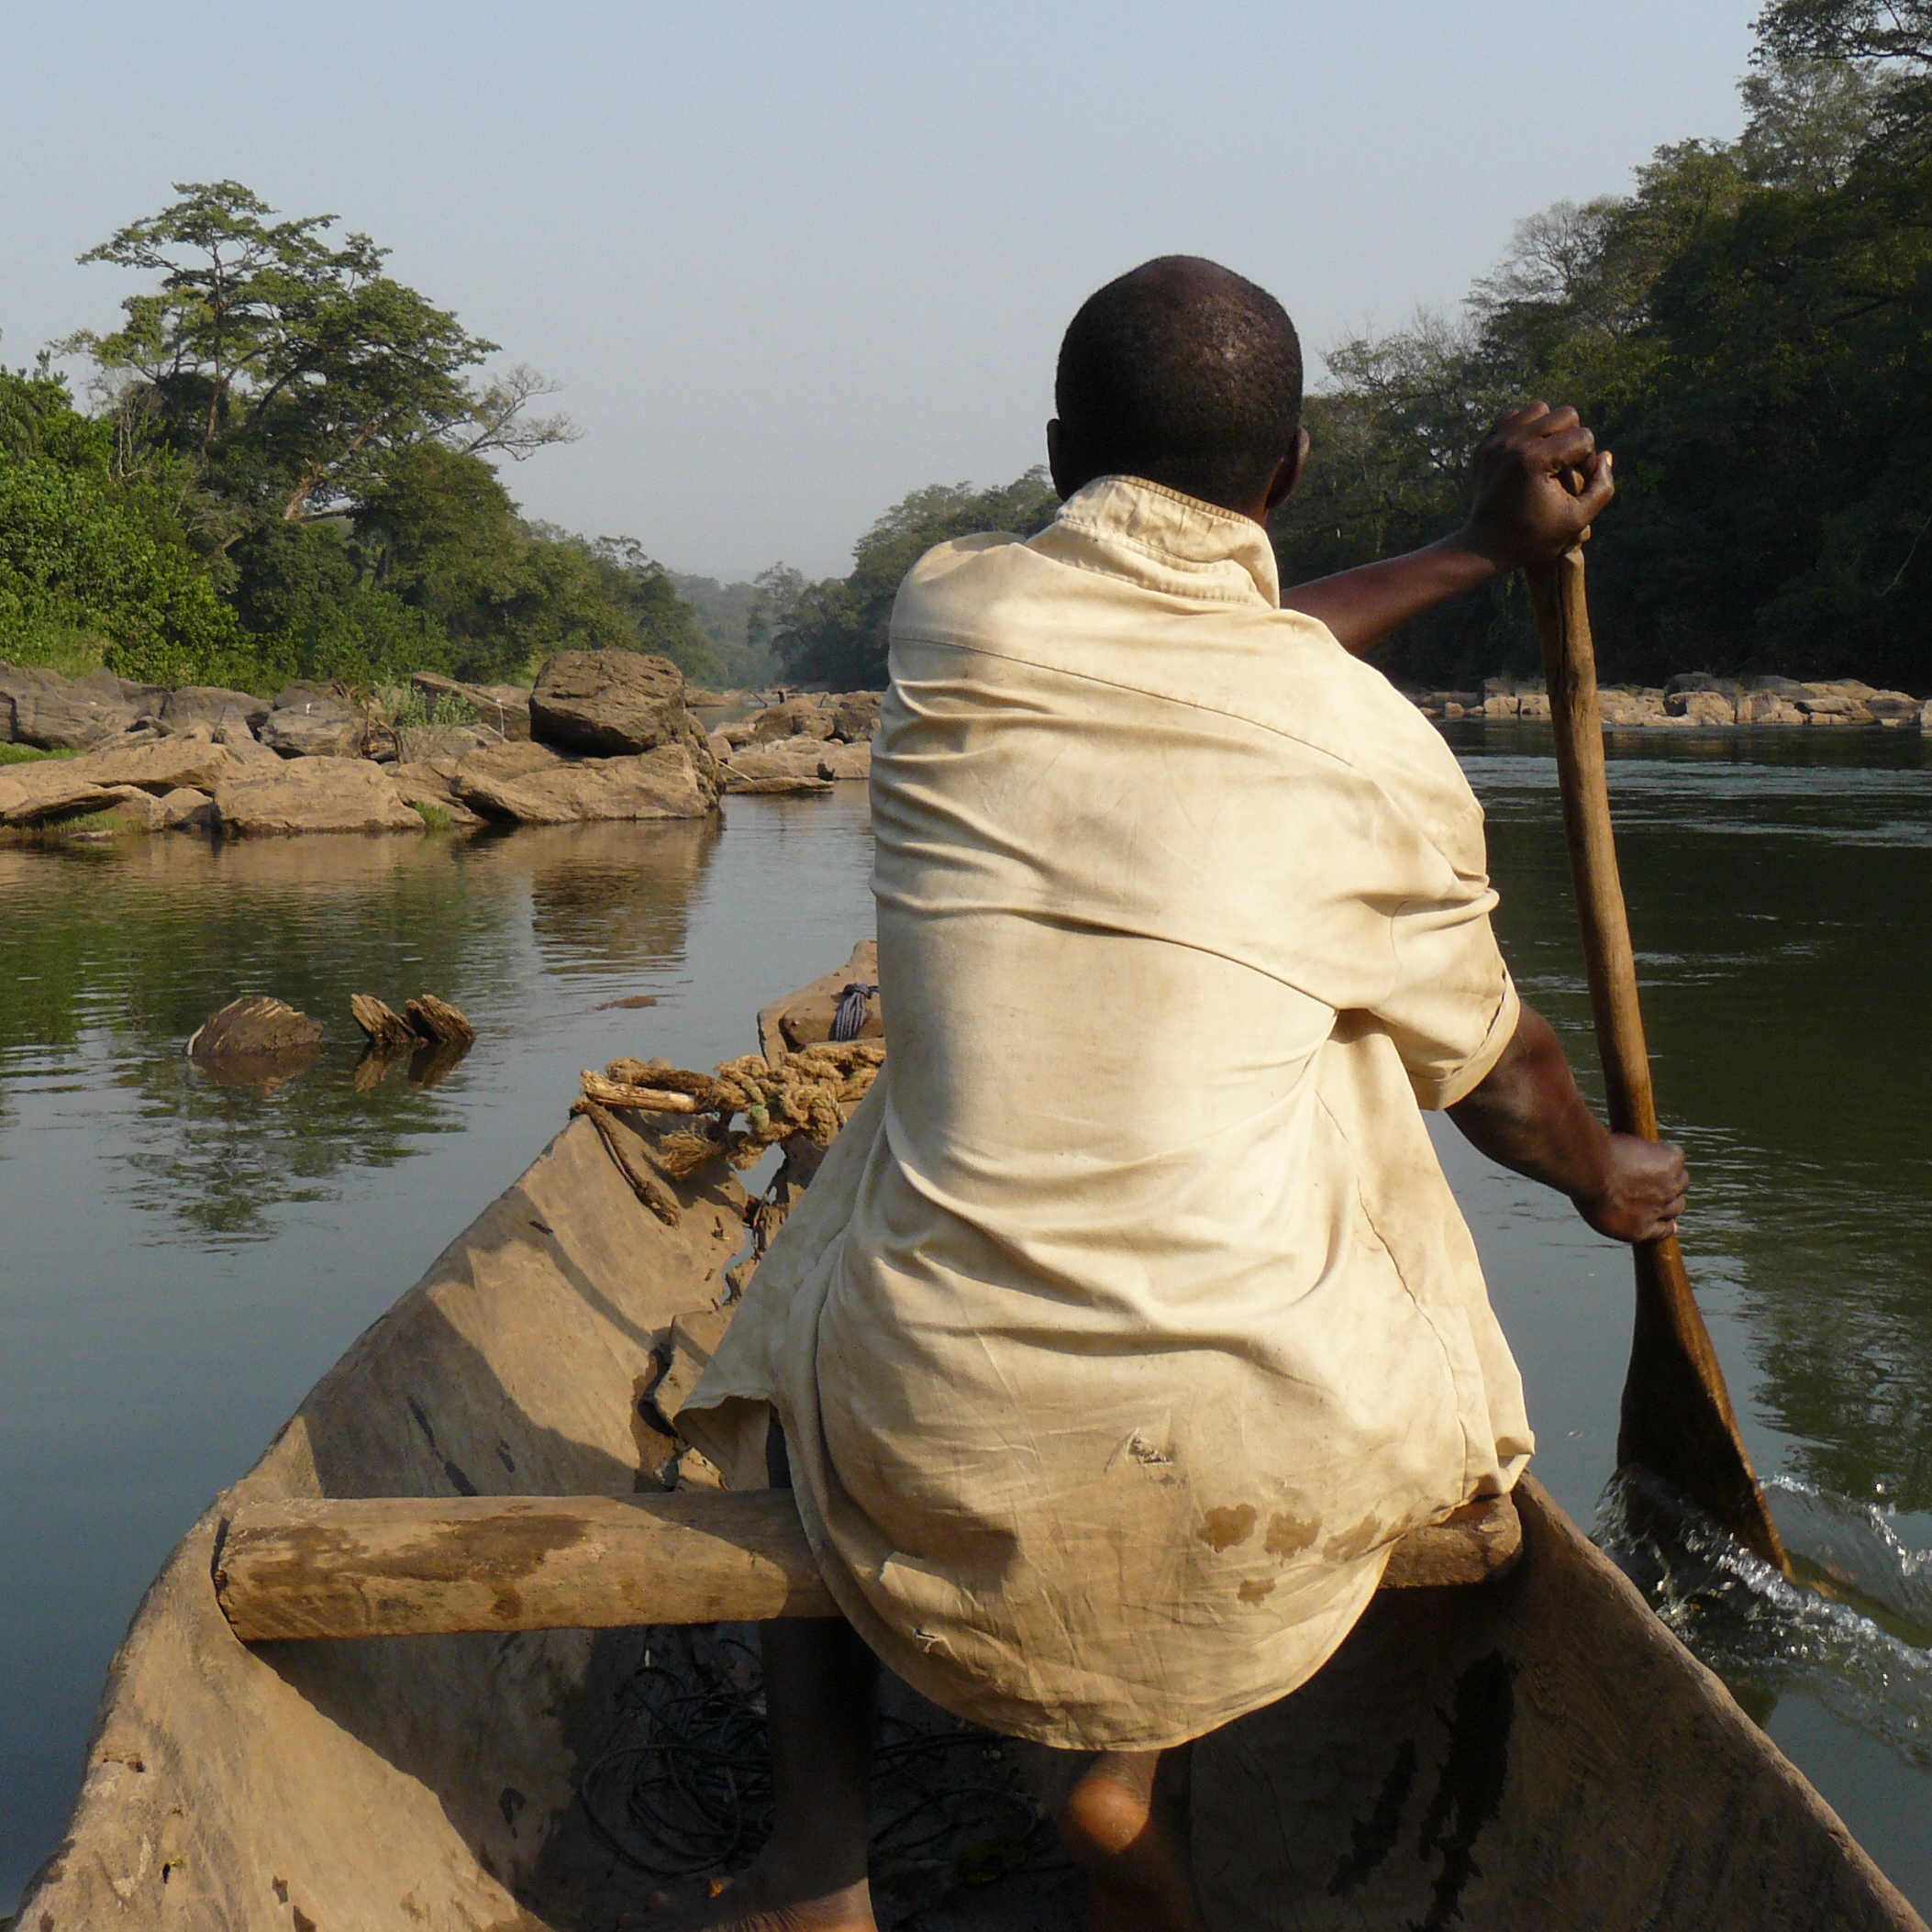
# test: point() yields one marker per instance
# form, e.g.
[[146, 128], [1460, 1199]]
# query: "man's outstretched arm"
[[1521, 514], [1529, 1115]]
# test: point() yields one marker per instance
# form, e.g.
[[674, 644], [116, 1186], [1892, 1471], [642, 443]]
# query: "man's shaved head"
[[1185, 373]]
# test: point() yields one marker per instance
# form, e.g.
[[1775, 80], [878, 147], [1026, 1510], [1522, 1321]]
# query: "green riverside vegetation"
[[289, 471]]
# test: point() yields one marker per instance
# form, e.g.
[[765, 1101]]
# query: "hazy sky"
[[793, 261]]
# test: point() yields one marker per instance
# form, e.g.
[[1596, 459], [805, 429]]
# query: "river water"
[[178, 1261]]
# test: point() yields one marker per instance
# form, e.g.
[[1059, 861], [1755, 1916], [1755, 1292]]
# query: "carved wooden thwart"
[[421, 1566]]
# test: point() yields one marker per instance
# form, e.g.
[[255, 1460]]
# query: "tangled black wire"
[[687, 1792]]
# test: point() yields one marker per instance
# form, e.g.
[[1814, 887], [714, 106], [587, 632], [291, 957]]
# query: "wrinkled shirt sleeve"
[[1451, 1008]]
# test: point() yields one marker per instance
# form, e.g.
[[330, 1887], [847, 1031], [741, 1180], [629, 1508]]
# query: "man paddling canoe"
[[1131, 1322]]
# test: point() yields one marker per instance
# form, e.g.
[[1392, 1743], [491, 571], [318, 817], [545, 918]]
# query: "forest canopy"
[[1750, 330]]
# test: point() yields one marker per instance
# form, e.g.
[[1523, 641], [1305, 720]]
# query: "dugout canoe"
[[1530, 1753]]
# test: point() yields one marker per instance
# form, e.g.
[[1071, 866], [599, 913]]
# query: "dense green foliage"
[[1749, 331], [290, 471], [833, 631]]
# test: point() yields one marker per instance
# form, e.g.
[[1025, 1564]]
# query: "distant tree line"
[[288, 468], [1750, 330], [288, 462]]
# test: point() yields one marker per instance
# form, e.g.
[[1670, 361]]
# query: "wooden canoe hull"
[[1532, 1753]]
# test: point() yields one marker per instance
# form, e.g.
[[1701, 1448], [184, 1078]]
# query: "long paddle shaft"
[[1677, 1419]]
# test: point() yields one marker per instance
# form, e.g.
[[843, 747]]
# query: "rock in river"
[[315, 795], [611, 703], [256, 1042], [533, 785]]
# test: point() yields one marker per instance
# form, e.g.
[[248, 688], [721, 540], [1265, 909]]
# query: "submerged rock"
[[259, 1042]]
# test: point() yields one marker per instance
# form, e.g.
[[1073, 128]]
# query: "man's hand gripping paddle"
[[1677, 1420]]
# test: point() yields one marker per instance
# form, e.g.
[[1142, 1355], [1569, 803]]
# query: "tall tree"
[[291, 370]]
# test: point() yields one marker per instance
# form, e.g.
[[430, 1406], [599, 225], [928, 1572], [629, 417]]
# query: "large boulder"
[[855, 715], [531, 784], [63, 713], [762, 768], [160, 765], [808, 716], [1701, 703], [314, 794], [1838, 702], [188, 810], [788, 758], [612, 704], [209, 708], [315, 721], [425, 744], [1767, 707], [259, 1042]]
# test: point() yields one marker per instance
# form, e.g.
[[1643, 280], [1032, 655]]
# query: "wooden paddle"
[[1677, 1419]]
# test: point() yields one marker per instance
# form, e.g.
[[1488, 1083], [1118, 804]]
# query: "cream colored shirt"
[[1131, 1320]]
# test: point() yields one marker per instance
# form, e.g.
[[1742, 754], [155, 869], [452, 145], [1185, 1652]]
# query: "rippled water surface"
[[178, 1262]]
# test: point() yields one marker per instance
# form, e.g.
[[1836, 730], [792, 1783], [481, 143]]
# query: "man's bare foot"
[[765, 1899], [1125, 1827]]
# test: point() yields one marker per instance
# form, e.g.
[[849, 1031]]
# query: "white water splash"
[[1864, 1653]]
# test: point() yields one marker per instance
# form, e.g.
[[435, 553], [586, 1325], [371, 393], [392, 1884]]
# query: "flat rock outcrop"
[[314, 794], [533, 784], [160, 764], [760, 766], [46, 794], [1696, 700]]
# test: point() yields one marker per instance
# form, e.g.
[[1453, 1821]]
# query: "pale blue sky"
[[792, 262]]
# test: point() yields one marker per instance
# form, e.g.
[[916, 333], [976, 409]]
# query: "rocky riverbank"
[[601, 736], [1696, 699]]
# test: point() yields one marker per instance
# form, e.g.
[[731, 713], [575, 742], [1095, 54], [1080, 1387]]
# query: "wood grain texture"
[[1677, 1419], [1538, 1755], [359, 1567]]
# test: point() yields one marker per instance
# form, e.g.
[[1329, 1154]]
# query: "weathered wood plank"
[[417, 1566]]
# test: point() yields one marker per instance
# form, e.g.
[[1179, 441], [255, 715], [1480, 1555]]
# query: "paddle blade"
[[1677, 1419]]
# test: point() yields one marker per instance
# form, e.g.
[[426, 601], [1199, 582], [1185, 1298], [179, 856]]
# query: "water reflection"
[[109, 960], [1780, 915]]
